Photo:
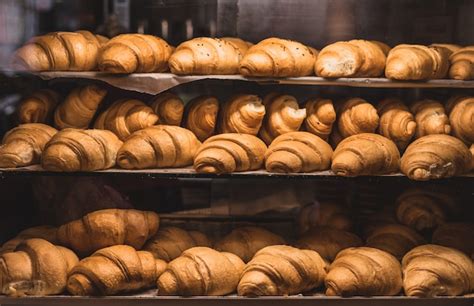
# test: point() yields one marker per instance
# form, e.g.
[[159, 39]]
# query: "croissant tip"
[[181, 62]]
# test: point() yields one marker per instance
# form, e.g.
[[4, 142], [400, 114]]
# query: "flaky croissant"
[[364, 271], [396, 122], [241, 45], [461, 117], [23, 146], [242, 114], [430, 118], [356, 116], [275, 57], [79, 107], [128, 53], [232, 152], [324, 214], [169, 108], [114, 270], [201, 271], [462, 64], [37, 267], [456, 235], [434, 157], [298, 152], [320, 117], [282, 270], [201, 116], [432, 270], [365, 154], [45, 232], [38, 107], [126, 116], [245, 242], [158, 146]]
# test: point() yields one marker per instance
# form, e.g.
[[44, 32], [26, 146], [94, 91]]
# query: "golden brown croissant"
[[298, 152], [396, 122], [320, 116], [113, 270], [365, 154], [324, 214], [37, 267], [461, 117], [456, 235], [201, 271], [282, 270], [242, 114], [160, 146], [462, 64], [416, 62], [201, 116], [283, 115], [432, 270], [232, 152], [128, 53], [22, 146], [328, 241], [430, 118], [79, 107], [81, 150], [169, 108], [45, 232], [364, 271], [356, 116], [275, 57], [355, 58], [241, 45], [245, 242], [38, 107], [126, 116], [434, 157]]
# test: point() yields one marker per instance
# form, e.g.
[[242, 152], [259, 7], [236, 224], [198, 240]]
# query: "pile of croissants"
[[271, 57]]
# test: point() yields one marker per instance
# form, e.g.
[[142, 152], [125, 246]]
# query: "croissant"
[[124, 117], [282, 270], [201, 271], [324, 214], [73, 150], [396, 122], [432, 270], [461, 117], [275, 57], [113, 270], [462, 64], [456, 235], [242, 114], [169, 108], [201, 116], [37, 267], [283, 116], [45, 232], [245, 242], [320, 117], [364, 271], [430, 118], [232, 152], [79, 107], [108, 227], [395, 239], [241, 45], [365, 154], [22, 146], [298, 152], [128, 53], [60, 51], [160, 146], [328, 241], [434, 157], [170, 242], [416, 62], [38, 107], [356, 116], [355, 58]]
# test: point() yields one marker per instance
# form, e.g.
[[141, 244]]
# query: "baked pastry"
[[275, 57], [356, 116], [364, 271], [396, 122], [242, 114], [108, 227], [45, 232], [298, 152], [128, 53], [126, 116], [320, 117], [81, 150], [430, 118], [201, 116], [79, 107], [324, 214], [365, 154], [232, 152], [434, 157], [432, 270], [38, 107], [169, 108], [170, 242], [183, 276], [159, 146], [246, 241], [462, 62], [241, 45], [282, 270], [456, 235], [461, 117], [37, 267], [114, 270]]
